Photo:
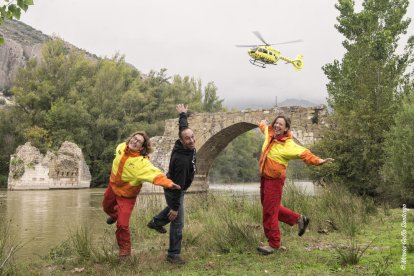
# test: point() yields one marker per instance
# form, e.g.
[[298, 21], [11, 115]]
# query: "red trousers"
[[120, 209], [271, 197]]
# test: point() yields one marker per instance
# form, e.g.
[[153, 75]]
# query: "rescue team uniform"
[[129, 170], [275, 155]]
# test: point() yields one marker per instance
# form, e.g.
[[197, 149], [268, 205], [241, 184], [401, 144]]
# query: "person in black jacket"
[[181, 170]]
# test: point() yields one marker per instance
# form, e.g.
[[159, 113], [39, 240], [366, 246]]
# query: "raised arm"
[[182, 121], [262, 125]]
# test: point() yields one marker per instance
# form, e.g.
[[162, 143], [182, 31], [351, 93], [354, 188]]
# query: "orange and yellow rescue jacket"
[[130, 169], [277, 153]]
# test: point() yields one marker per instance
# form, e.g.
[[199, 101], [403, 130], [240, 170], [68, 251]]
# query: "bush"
[[7, 92], [335, 208], [3, 181]]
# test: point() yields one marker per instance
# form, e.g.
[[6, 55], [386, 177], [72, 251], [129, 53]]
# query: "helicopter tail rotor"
[[297, 62]]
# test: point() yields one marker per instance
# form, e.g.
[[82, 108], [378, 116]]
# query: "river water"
[[41, 220]]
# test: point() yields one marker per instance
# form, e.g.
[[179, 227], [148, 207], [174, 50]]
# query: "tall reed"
[[8, 248]]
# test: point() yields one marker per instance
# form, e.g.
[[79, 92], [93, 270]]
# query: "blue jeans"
[[176, 227]]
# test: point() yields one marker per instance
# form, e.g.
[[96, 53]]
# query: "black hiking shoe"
[[175, 259], [302, 225], [266, 250], [110, 220], [159, 229]]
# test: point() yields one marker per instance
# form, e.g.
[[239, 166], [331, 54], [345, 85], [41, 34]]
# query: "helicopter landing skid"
[[258, 63]]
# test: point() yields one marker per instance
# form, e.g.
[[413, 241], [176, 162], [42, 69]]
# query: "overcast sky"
[[198, 38]]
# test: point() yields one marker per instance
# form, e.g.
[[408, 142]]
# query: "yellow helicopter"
[[265, 54]]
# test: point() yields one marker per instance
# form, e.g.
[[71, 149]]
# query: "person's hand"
[[172, 215], [175, 187], [327, 161], [181, 108], [264, 122]]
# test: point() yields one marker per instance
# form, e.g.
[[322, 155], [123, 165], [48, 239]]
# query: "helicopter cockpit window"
[[254, 49], [265, 51]]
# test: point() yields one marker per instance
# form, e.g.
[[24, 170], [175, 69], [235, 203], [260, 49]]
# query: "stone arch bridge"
[[214, 131]]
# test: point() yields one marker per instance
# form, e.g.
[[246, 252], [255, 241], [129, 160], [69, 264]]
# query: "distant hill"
[[297, 102], [260, 103]]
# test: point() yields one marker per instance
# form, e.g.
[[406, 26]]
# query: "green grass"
[[347, 236]]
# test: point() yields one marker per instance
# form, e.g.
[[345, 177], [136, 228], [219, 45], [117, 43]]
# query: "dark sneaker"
[[266, 250], [302, 225], [110, 220], [175, 259], [159, 229]]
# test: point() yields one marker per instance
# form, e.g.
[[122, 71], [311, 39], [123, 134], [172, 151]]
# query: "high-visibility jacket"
[[277, 153], [130, 169]]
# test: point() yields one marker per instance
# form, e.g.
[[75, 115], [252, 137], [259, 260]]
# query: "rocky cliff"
[[22, 43]]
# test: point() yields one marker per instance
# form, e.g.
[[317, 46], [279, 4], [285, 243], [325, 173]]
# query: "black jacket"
[[181, 169]]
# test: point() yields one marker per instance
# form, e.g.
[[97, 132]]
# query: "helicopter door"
[[268, 56], [262, 54]]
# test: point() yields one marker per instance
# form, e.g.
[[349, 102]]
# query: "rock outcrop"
[[22, 43], [29, 169]]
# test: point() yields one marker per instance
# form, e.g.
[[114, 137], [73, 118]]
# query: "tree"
[[398, 170], [211, 102], [95, 103], [364, 91], [12, 9], [238, 162], [10, 138]]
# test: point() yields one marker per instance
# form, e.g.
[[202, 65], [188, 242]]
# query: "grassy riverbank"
[[347, 235]]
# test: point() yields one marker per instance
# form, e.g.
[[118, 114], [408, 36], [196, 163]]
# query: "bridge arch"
[[214, 131], [217, 143]]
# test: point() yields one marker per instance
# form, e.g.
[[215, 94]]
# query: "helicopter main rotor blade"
[[259, 36], [251, 46], [287, 42]]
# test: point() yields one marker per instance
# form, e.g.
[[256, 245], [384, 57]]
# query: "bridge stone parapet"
[[214, 131]]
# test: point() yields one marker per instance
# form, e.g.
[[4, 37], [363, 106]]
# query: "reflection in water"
[[44, 219]]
